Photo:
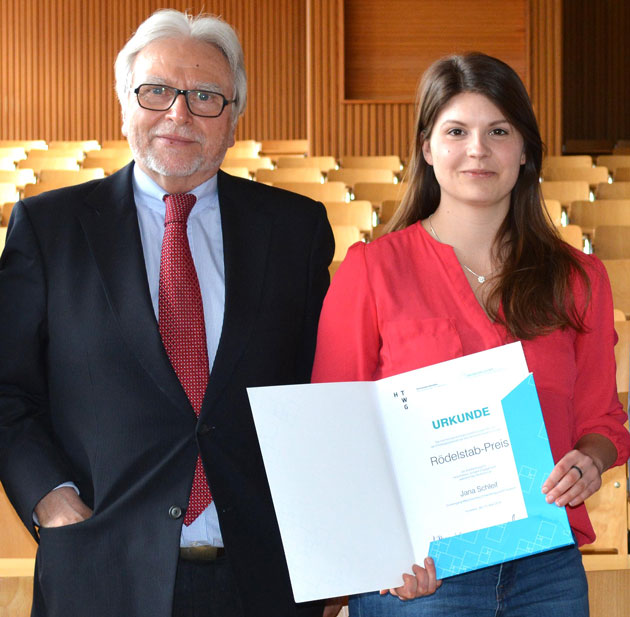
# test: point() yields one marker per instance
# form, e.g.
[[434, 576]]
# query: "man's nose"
[[178, 111]]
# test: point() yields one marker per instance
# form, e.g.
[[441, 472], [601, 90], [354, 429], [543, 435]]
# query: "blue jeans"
[[551, 584]]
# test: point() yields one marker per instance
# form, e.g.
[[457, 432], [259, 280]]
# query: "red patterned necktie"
[[182, 325]]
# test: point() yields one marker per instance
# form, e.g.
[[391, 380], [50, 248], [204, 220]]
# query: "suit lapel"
[[110, 224], [246, 227]]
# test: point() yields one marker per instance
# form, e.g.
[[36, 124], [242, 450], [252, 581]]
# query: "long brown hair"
[[534, 287]]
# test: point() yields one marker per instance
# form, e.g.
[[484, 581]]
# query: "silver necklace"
[[480, 277]]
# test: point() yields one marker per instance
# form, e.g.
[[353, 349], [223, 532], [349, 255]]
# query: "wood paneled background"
[[311, 65], [57, 57], [361, 93], [388, 45], [596, 75]]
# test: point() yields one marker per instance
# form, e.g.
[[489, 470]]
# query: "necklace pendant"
[[481, 279]]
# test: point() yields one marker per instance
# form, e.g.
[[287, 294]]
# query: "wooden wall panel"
[[596, 87], [388, 45], [376, 128], [57, 61], [324, 89], [340, 126], [546, 70]]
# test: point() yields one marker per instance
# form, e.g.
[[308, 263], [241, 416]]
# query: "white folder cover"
[[368, 478]]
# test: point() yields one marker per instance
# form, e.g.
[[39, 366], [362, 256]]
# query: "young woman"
[[473, 262]]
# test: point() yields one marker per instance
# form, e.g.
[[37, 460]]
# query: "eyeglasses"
[[157, 97]]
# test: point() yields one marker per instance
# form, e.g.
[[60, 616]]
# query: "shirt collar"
[[151, 193]]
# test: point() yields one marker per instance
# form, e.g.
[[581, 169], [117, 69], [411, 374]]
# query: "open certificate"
[[368, 478]]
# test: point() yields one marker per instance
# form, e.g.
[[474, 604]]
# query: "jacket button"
[[175, 512]]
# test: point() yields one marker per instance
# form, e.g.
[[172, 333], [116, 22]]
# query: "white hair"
[[169, 23]]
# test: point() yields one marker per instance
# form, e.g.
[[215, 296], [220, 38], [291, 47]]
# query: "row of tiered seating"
[[359, 191]]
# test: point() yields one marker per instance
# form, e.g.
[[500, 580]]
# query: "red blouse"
[[404, 302]]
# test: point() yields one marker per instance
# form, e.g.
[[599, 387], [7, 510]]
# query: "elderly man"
[[134, 312]]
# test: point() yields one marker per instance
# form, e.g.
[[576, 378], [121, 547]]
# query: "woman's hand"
[[422, 582], [578, 473], [573, 480]]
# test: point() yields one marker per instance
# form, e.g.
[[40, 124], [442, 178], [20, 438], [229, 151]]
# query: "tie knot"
[[178, 207]]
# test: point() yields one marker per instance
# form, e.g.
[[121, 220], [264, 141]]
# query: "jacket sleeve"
[[30, 463], [348, 341], [596, 404]]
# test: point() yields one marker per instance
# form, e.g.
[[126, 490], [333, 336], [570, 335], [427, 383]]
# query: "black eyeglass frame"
[[185, 93]]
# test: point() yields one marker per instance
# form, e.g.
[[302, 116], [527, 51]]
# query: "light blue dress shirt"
[[206, 245]]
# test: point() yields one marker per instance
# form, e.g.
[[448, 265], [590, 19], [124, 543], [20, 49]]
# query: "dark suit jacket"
[[87, 392]]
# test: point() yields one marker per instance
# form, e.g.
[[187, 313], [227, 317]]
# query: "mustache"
[[181, 131]]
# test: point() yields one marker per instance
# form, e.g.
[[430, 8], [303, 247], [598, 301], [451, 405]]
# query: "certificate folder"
[[368, 478]]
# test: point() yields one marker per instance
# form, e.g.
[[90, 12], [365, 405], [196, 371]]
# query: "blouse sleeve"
[[348, 339], [596, 404]]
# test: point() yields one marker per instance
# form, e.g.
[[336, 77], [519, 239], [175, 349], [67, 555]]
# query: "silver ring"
[[578, 470]]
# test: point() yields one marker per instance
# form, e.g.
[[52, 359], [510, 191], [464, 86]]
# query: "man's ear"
[[231, 142], [123, 128]]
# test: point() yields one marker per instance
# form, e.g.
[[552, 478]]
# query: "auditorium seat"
[[387, 210], [345, 237], [377, 193], [85, 145], [390, 162], [27, 144], [30, 190], [609, 592], [290, 174], [329, 191], [590, 214], [616, 190], [243, 149], [19, 177], [7, 165], [333, 267], [565, 191], [275, 148], [554, 209], [75, 153], [378, 231], [619, 315], [108, 144], [619, 274], [576, 160], [14, 154], [8, 192], [16, 587], [37, 164], [323, 163], [118, 152], [7, 208], [572, 235], [622, 174], [608, 508], [592, 175], [109, 164], [613, 161], [252, 163], [356, 213], [612, 241], [239, 172], [65, 177], [353, 176]]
